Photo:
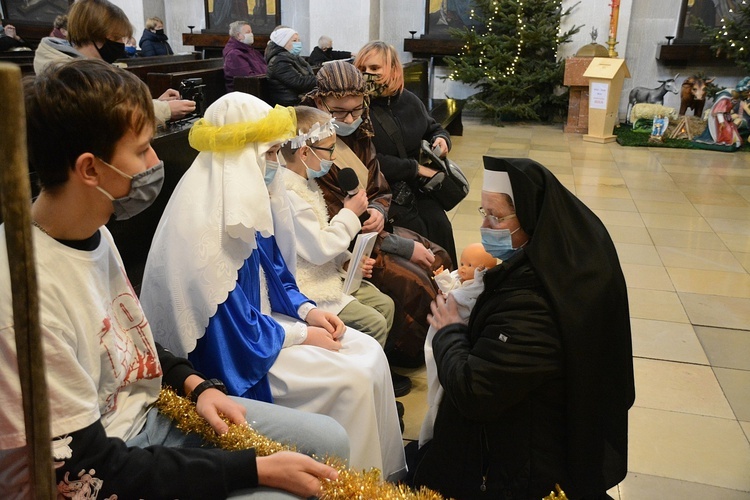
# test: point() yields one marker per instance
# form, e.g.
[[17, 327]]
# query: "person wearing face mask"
[[219, 285], [404, 260], [289, 75], [154, 41], [89, 128], [98, 29], [321, 242], [539, 381], [324, 52], [401, 122], [240, 58]]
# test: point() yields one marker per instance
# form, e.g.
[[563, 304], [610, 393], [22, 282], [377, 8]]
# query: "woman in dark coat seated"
[[154, 41], [539, 383], [289, 76]]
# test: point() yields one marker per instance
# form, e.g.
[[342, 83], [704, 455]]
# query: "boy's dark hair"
[[84, 106], [92, 21]]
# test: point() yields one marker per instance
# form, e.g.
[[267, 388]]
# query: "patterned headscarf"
[[341, 79]]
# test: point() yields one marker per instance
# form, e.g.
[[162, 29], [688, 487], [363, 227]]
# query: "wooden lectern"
[[606, 76]]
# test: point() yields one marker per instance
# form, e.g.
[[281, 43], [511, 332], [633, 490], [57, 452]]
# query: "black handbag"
[[449, 185]]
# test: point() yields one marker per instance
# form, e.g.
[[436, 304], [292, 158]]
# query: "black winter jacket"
[[500, 427], [289, 76], [154, 44]]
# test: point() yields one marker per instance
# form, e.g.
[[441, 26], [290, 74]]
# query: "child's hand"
[[367, 266], [320, 337], [422, 256], [357, 203]]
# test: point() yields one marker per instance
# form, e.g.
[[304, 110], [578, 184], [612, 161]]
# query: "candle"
[[613, 19]]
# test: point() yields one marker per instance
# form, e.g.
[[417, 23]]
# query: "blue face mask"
[[130, 50], [346, 129], [498, 242], [296, 48], [272, 167], [325, 166], [144, 188]]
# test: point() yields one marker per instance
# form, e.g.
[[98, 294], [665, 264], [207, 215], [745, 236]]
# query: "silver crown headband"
[[315, 134]]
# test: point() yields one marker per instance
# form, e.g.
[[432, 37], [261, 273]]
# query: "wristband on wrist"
[[212, 383]]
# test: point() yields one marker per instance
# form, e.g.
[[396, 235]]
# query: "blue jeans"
[[310, 433]]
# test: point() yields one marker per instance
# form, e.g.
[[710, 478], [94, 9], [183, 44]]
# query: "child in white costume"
[[219, 289], [322, 243], [465, 284]]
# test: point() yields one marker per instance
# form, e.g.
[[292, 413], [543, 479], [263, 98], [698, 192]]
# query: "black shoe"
[[400, 411], [401, 384]]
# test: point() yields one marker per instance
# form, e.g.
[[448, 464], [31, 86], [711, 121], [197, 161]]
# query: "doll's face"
[[472, 258]]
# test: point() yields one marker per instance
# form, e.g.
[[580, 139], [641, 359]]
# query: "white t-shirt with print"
[[101, 358]]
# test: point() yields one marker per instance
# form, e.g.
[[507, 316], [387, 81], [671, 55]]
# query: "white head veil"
[[208, 228]]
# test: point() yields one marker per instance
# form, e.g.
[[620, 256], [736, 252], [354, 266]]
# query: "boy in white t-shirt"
[[90, 127]]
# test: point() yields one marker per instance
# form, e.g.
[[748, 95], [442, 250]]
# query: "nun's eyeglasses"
[[492, 219]]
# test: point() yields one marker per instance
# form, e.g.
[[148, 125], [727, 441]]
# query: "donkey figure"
[[651, 96]]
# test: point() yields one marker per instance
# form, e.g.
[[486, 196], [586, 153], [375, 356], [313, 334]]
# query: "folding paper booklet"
[[363, 246]]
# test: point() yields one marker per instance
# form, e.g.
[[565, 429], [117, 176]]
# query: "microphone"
[[349, 184]]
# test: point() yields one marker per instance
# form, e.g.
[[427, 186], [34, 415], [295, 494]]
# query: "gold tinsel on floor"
[[363, 485]]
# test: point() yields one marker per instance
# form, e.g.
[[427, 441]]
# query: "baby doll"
[[465, 284]]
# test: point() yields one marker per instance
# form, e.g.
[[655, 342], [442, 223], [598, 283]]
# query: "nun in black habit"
[[539, 383]]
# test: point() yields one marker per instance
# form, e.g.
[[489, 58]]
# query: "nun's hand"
[[444, 312]]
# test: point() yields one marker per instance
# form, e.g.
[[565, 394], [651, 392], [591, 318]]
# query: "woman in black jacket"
[[401, 122], [289, 76], [154, 41], [539, 383]]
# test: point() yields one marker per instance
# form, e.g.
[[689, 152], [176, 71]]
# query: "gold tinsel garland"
[[350, 484]]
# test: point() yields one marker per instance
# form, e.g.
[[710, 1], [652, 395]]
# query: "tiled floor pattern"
[[681, 222]]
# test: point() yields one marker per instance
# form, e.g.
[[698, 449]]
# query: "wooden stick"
[[15, 198]]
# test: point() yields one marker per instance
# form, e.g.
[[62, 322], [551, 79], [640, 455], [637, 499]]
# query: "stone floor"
[[681, 222]]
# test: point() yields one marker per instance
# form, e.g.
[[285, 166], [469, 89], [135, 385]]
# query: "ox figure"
[[693, 94], [650, 96]]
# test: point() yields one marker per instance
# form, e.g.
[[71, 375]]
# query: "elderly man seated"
[[240, 58]]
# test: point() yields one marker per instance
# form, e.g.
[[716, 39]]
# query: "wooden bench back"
[[142, 70], [256, 85], [213, 79]]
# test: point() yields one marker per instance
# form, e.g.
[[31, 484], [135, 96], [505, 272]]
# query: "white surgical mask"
[[248, 38]]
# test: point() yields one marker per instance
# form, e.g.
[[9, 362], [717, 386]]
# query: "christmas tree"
[[731, 38], [511, 55]]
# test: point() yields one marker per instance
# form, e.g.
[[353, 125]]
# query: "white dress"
[[466, 294]]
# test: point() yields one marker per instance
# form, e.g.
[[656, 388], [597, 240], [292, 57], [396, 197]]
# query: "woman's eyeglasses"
[[341, 115], [492, 219]]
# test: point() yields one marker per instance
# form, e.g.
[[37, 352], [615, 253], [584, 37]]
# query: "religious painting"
[[441, 15], [710, 12], [34, 11], [262, 15]]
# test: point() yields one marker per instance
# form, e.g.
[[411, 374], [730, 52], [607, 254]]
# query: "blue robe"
[[241, 344]]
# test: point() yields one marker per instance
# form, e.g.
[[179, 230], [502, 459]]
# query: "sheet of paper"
[[598, 94], [362, 249]]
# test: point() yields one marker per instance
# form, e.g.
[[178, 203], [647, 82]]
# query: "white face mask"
[[247, 38]]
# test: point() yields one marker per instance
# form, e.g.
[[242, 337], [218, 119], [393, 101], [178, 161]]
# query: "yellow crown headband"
[[278, 125]]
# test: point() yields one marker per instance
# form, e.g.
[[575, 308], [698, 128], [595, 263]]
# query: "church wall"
[[351, 23]]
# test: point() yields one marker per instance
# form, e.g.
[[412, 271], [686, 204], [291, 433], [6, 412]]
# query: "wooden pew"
[[22, 58], [172, 66], [130, 62], [255, 85], [447, 111], [213, 79]]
